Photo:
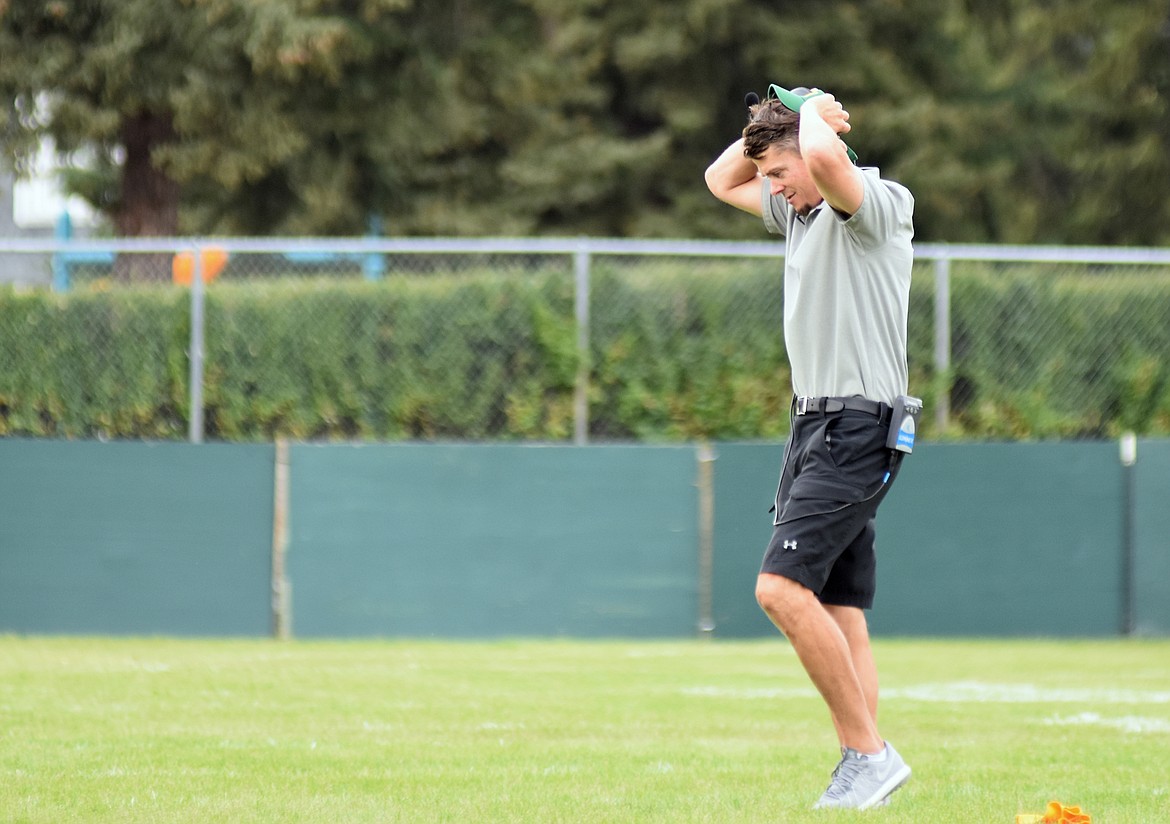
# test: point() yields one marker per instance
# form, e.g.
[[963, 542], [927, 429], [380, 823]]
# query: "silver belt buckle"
[[802, 405]]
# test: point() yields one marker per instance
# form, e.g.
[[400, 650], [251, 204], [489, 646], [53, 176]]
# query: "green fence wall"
[[1006, 539], [135, 538], [471, 540], [499, 540], [1151, 534]]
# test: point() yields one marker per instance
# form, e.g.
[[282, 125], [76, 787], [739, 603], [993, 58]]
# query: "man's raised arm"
[[822, 121], [733, 179]]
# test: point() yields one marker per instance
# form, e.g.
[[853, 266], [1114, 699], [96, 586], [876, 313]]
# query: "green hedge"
[[1079, 353], [680, 350], [94, 363], [438, 357], [683, 350]]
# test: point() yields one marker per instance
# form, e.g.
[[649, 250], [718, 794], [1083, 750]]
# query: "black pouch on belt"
[[904, 424]]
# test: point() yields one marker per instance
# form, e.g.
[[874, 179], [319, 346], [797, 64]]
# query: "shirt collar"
[[806, 219]]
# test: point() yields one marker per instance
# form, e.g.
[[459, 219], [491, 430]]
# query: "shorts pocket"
[[798, 508], [853, 440], [812, 488]]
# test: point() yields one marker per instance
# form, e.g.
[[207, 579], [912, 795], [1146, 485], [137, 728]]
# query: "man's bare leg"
[[853, 626], [824, 650]]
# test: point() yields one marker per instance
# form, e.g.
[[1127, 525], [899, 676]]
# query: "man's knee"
[[782, 598]]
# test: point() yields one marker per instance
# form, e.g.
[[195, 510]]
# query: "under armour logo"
[[790, 544]]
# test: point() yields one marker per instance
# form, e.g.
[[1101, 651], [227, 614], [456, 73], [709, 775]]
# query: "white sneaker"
[[860, 783]]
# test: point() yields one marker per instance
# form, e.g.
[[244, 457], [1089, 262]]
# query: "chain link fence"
[[546, 340]]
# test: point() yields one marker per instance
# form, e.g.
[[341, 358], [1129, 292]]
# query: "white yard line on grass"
[[964, 692], [1126, 723], [958, 692], [976, 691]]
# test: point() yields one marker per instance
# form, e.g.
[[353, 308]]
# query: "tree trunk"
[[149, 203]]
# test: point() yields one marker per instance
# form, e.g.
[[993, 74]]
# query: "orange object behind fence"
[[212, 259]]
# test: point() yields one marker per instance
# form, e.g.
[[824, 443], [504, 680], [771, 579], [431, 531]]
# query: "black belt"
[[830, 406]]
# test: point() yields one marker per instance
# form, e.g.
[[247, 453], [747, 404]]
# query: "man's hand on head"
[[828, 109]]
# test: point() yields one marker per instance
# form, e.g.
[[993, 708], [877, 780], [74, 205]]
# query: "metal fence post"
[[581, 261], [705, 457], [1128, 447], [942, 342], [195, 353], [281, 587]]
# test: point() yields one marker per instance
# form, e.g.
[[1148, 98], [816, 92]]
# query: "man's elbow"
[[718, 182], [711, 178]]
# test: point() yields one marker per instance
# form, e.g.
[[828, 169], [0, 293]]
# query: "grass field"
[[163, 730]]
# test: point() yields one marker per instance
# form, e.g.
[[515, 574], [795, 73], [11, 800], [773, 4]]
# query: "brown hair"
[[770, 123]]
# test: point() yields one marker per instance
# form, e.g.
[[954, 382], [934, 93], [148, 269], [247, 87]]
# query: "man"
[[846, 295]]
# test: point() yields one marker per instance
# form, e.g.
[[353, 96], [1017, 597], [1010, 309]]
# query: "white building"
[[33, 208]]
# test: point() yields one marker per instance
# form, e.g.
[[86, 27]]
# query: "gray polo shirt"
[[847, 291]]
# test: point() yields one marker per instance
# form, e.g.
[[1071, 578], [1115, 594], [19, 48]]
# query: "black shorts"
[[836, 472]]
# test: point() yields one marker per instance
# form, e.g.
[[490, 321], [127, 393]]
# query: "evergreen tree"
[[291, 116], [101, 76], [1099, 74], [1011, 120], [1040, 122]]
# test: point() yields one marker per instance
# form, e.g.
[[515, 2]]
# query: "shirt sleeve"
[[774, 210], [887, 210]]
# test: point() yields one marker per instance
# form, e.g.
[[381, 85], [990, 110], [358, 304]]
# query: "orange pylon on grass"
[[1057, 813]]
